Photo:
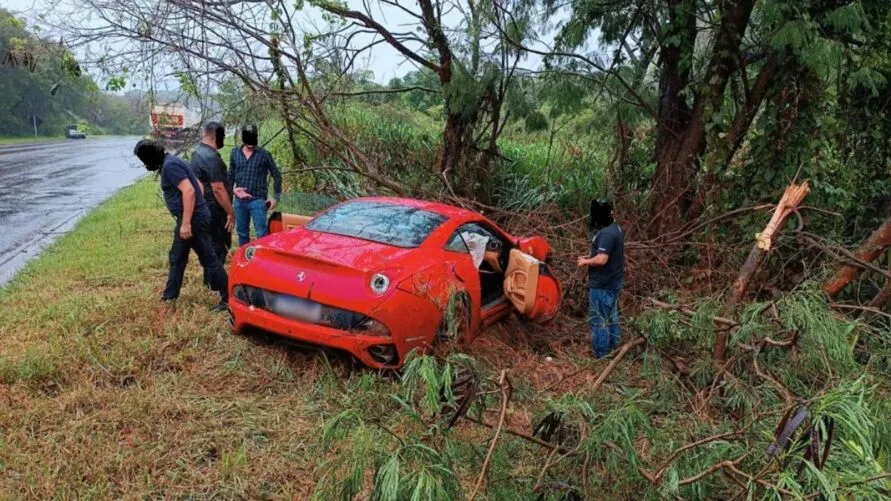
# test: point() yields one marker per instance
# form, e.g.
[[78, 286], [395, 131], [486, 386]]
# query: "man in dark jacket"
[[606, 277], [211, 171], [184, 199], [249, 169]]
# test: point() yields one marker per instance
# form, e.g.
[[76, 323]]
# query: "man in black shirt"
[[606, 277], [211, 171], [185, 201]]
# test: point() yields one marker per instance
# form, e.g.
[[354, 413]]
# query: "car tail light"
[[249, 252], [380, 283]]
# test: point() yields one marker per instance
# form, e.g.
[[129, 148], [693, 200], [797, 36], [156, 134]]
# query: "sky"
[[383, 60]]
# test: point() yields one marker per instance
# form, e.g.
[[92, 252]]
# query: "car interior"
[[279, 221], [490, 254]]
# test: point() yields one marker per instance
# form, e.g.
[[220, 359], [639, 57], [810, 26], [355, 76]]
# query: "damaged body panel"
[[376, 276]]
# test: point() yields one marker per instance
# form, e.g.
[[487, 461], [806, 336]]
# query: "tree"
[[474, 67], [716, 64]]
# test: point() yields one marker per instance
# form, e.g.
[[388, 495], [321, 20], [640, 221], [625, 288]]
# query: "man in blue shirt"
[[606, 277], [249, 168], [184, 198]]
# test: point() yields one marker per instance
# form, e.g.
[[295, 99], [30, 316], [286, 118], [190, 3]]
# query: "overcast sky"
[[382, 60]]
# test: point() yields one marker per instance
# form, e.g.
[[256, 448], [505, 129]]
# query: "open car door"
[[531, 287], [279, 221]]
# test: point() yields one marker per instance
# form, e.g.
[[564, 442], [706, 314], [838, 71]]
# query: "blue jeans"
[[245, 211], [603, 316]]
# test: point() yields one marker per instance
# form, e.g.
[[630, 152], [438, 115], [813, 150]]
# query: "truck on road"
[[172, 121]]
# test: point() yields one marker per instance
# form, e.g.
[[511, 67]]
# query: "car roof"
[[449, 211]]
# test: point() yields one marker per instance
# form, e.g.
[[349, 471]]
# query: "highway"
[[46, 188]]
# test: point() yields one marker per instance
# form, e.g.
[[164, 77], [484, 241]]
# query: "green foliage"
[[40, 78]]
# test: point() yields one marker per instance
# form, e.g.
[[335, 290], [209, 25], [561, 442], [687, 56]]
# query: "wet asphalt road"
[[46, 188]]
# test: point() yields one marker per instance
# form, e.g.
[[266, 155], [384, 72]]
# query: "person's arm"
[[185, 227], [220, 191], [601, 256], [599, 260], [277, 181]]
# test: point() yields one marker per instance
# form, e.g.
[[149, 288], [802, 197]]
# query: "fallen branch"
[[792, 198], [504, 384], [621, 353], [788, 398], [713, 468], [867, 309], [654, 478], [615, 361], [690, 313], [524, 436], [877, 242]]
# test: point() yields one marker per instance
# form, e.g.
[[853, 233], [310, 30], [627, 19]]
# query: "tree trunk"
[[871, 249], [673, 115], [681, 143]]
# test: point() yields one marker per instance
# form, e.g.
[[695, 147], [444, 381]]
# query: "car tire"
[[455, 324]]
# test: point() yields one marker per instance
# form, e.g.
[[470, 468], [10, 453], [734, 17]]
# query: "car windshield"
[[390, 224]]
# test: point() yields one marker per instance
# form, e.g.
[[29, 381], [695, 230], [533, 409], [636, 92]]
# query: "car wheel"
[[455, 324]]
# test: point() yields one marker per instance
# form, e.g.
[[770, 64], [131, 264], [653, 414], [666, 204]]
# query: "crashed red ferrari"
[[380, 277]]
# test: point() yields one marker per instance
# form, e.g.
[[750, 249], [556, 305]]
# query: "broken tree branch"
[[504, 384], [871, 249], [792, 198], [727, 322]]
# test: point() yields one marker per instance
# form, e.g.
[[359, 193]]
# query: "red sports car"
[[379, 277]]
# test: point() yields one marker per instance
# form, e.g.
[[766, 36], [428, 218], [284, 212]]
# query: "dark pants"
[[603, 316], [221, 239], [202, 244]]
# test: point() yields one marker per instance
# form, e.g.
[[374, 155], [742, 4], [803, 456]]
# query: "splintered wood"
[[792, 198]]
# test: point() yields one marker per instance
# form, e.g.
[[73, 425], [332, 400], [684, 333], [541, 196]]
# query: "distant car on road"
[[380, 277], [72, 133]]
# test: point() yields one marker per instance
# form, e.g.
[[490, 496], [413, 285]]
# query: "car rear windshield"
[[390, 224]]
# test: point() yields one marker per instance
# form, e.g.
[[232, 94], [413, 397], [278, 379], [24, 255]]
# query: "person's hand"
[[185, 230], [582, 262], [271, 204], [230, 222]]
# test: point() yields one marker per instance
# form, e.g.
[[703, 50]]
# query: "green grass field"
[[9, 141], [108, 394]]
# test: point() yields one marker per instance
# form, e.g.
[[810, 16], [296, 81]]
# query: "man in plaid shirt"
[[249, 168]]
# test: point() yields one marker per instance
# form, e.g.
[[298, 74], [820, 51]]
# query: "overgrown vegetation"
[[693, 116], [40, 78]]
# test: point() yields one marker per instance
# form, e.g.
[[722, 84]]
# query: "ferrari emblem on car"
[[301, 276]]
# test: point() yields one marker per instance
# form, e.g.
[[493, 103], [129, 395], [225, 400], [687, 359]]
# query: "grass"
[[106, 393], [11, 141]]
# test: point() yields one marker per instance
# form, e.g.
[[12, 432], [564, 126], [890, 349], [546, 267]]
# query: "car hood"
[[331, 269], [347, 252]]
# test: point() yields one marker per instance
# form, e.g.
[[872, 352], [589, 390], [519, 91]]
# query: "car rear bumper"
[[360, 346]]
